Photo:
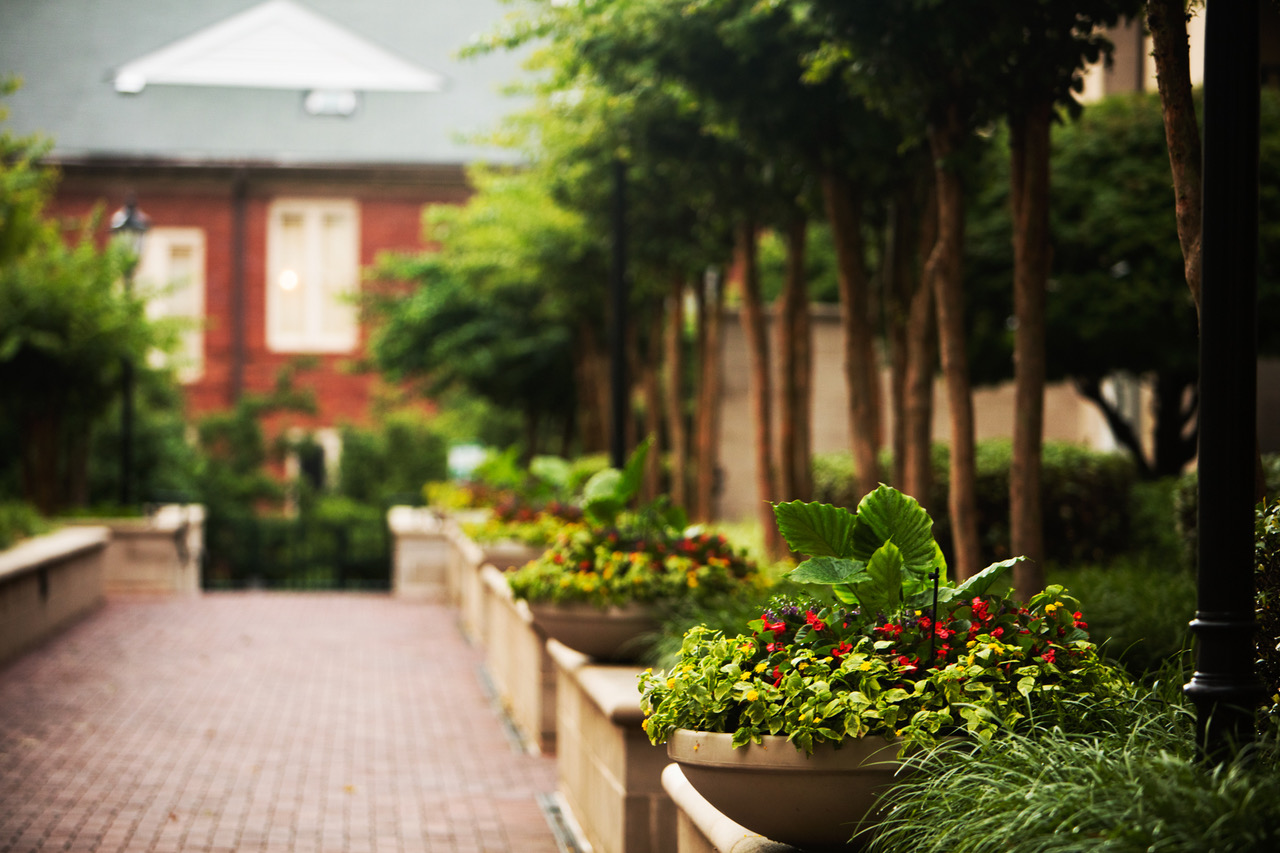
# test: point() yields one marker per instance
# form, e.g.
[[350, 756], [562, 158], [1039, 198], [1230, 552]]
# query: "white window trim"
[[311, 339], [156, 279]]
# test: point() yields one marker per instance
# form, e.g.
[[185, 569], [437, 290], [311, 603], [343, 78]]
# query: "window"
[[171, 275], [313, 271]]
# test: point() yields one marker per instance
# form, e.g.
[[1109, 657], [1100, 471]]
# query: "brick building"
[[277, 148]]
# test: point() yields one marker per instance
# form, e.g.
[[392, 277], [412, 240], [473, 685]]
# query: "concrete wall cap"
[[406, 520], [613, 688], [724, 834], [39, 551]]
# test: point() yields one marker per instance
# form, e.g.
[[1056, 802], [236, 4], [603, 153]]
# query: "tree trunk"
[[707, 427], [650, 374], [678, 434], [1175, 406], [795, 466], [760, 385], [860, 364], [1167, 21], [1029, 155], [41, 431], [922, 358], [593, 386], [897, 279], [946, 271]]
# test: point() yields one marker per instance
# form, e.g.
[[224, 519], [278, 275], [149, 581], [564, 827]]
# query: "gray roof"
[[68, 51]]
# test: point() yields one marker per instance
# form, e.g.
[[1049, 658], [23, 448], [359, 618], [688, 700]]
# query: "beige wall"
[[1068, 416]]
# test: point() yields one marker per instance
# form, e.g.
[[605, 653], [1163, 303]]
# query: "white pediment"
[[277, 45]]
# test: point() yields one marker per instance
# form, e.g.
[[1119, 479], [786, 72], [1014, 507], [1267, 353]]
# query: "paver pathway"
[[262, 722]]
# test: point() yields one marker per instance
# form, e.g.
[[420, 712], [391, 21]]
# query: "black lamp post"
[[129, 226], [1225, 688]]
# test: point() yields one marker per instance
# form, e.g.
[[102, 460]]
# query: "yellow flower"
[[687, 668], [866, 666], [762, 666], [752, 695], [971, 644], [671, 682], [970, 660], [745, 676]]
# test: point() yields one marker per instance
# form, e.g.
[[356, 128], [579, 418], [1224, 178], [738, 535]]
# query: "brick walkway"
[[262, 722]]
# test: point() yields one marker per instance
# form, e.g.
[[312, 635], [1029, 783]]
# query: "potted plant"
[[601, 585], [830, 691]]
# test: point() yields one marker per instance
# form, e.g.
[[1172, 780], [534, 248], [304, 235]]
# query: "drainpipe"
[[239, 220]]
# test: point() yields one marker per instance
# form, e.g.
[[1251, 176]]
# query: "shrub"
[[19, 520], [1138, 612], [391, 462], [1267, 567], [1086, 494], [1186, 504]]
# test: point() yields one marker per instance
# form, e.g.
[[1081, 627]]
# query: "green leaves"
[[817, 529], [875, 559], [608, 492]]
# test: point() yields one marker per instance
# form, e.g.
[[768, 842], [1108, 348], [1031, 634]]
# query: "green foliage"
[[19, 520], [616, 566], [233, 478], [816, 673], [1133, 786], [1082, 490], [1267, 580], [390, 462], [886, 660], [1186, 504], [1139, 610]]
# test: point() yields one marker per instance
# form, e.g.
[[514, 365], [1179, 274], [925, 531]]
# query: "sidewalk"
[[263, 722]]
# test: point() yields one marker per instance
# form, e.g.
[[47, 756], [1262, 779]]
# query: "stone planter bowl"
[[814, 802], [615, 634]]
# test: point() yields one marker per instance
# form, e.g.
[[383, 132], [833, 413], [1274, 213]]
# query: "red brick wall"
[[390, 219]]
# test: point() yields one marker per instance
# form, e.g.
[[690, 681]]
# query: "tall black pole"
[[130, 224], [618, 321], [1225, 687]]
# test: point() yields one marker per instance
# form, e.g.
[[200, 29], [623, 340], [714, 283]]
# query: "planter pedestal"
[[608, 773], [815, 802], [517, 662]]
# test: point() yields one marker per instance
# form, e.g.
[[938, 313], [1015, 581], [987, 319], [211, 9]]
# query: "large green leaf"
[[879, 590], [608, 492], [887, 515], [600, 495], [816, 529], [552, 470], [827, 570], [995, 579]]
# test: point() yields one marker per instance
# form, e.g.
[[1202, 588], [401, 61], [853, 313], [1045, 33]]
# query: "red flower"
[[997, 632], [774, 647], [926, 623], [1079, 620], [841, 650], [908, 664], [812, 618], [776, 627], [1048, 655], [777, 676]]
